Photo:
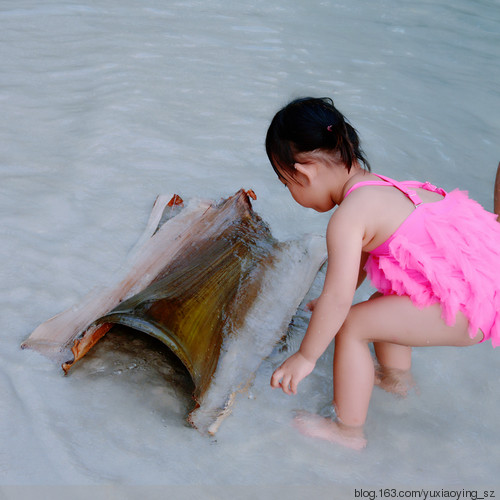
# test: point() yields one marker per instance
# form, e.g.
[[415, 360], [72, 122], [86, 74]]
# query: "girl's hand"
[[291, 372]]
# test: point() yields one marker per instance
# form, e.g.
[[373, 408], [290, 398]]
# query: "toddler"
[[434, 258]]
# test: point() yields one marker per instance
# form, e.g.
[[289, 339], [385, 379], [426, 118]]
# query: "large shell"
[[209, 283]]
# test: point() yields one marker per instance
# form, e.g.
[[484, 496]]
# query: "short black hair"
[[307, 124]]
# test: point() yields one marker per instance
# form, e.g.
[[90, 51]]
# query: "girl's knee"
[[351, 329]]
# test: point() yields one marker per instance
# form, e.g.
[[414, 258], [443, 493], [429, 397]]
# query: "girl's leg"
[[385, 319], [389, 355], [393, 356], [390, 319], [393, 370], [394, 362]]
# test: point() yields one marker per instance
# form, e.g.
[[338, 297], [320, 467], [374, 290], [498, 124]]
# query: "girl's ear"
[[307, 172]]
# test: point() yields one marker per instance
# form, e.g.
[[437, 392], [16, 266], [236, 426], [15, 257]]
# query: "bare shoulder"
[[348, 218], [358, 207], [377, 211]]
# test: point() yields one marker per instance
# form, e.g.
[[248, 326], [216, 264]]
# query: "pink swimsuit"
[[445, 252]]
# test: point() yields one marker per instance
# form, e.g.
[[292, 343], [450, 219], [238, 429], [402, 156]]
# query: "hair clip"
[[329, 128]]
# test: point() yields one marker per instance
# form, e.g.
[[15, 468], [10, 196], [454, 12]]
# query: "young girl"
[[433, 256]]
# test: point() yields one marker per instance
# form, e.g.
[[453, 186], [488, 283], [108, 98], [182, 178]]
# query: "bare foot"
[[398, 382], [313, 425]]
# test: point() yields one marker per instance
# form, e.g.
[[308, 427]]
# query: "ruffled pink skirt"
[[446, 252]]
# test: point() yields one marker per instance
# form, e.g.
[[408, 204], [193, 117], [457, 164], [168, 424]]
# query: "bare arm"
[[496, 196], [361, 277], [344, 240], [362, 272], [344, 252]]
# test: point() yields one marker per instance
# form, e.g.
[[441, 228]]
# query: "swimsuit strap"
[[411, 194], [364, 183]]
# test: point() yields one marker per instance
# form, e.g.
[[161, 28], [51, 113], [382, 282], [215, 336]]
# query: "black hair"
[[309, 124]]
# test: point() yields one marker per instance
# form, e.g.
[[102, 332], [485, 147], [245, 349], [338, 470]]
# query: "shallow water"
[[106, 104]]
